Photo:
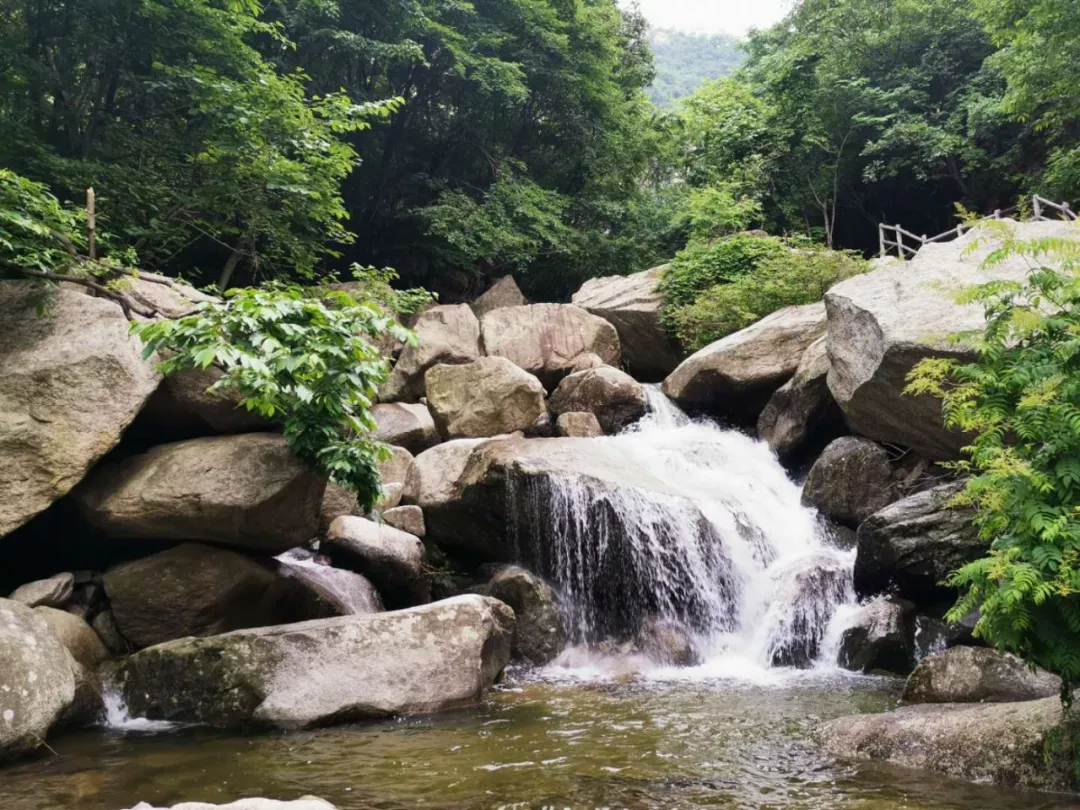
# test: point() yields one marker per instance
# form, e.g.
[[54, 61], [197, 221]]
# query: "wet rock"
[[104, 624], [248, 491], [71, 382], [406, 518], [317, 673], [392, 559], [850, 481], [977, 675], [735, 377], [405, 425], [807, 593], [539, 632], [329, 591], [914, 544], [933, 635], [546, 339], [37, 684], [489, 397], [447, 335], [577, 425], [802, 413], [633, 305], [614, 397], [54, 592], [667, 643], [1016, 744], [503, 293], [305, 803], [881, 324], [881, 638], [199, 590]]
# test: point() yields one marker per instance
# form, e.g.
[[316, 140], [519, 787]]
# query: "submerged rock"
[[735, 377], [667, 643], [850, 481], [248, 491], [426, 659], [488, 397], [447, 335], [1025, 744], [633, 305], [70, 383], [539, 633], [977, 675], [37, 682], [614, 397], [881, 638]]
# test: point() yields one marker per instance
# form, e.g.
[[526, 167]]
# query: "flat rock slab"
[[328, 671]]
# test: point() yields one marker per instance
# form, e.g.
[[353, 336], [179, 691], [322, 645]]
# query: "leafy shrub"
[[1021, 400], [800, 276], [306, 355]]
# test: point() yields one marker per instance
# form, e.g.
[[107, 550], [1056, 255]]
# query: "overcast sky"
[[714, 16]]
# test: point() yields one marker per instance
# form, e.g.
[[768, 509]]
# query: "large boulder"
[[914, 544], [881, 637], [415, 661], [87, 654], [37, 682], [503, 293], [326, 590], [70, 383], [613, 396], [539, 632], [487, 398], [447, 335], [546, 339], [199, 590], [1009, 743], [884, 322], [434, 475], [802, 413], [851, 480], [582, 425], [633, 305], [735, 376], [405, 425], [392, 559], [248, 491], [977, 675]]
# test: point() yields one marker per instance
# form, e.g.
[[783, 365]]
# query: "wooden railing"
[[907, 244]]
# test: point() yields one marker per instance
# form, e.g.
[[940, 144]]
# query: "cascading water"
[[728, 551]]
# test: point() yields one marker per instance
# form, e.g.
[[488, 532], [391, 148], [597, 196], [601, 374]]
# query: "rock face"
[[449, 335], [546, 339], [882, 638], [884, 322], [405, 425], [54, 592], [803, 410], [737, 375], [503, 293], [37, 683], [487, 398], [977, 675], [633, 305], [199, 590], [850, 481], [999, 742], [614, 397], [914, 544], [539, 632], [70, 383], [248, 491], [425, 659], [392, 559], [578, 426]]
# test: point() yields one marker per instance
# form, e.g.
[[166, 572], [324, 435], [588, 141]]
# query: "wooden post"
[[881, 238], [1036, 207], [91, 224]]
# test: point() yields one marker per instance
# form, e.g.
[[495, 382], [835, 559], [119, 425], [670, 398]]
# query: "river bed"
[[557, 740]]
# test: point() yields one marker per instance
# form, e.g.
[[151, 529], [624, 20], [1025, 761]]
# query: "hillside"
[[686, 61]]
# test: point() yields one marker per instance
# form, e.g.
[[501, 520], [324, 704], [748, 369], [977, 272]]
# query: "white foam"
[[118, 717]]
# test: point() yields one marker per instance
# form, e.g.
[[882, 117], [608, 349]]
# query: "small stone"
[[54, 592]]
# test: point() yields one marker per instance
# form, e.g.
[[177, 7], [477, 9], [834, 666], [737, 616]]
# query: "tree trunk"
[[230, 266]]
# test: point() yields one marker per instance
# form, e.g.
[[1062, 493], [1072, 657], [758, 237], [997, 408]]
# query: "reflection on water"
[[537, 742]]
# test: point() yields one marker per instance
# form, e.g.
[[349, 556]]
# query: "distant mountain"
[[684, 62]]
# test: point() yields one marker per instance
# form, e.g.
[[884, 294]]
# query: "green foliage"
[[684, 62], [34, 227], [703, 265], [801, 276], [306, 356], [1020, 399]]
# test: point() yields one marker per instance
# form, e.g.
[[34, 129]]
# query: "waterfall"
[[729, 553]]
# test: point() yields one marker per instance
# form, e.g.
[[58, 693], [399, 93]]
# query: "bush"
[[1020, 398], [703, 265], [800, 276]]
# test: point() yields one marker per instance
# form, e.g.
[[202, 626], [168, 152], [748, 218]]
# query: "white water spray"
[[734, 557]]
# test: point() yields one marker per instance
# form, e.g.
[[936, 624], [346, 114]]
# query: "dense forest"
[[685, 61]]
